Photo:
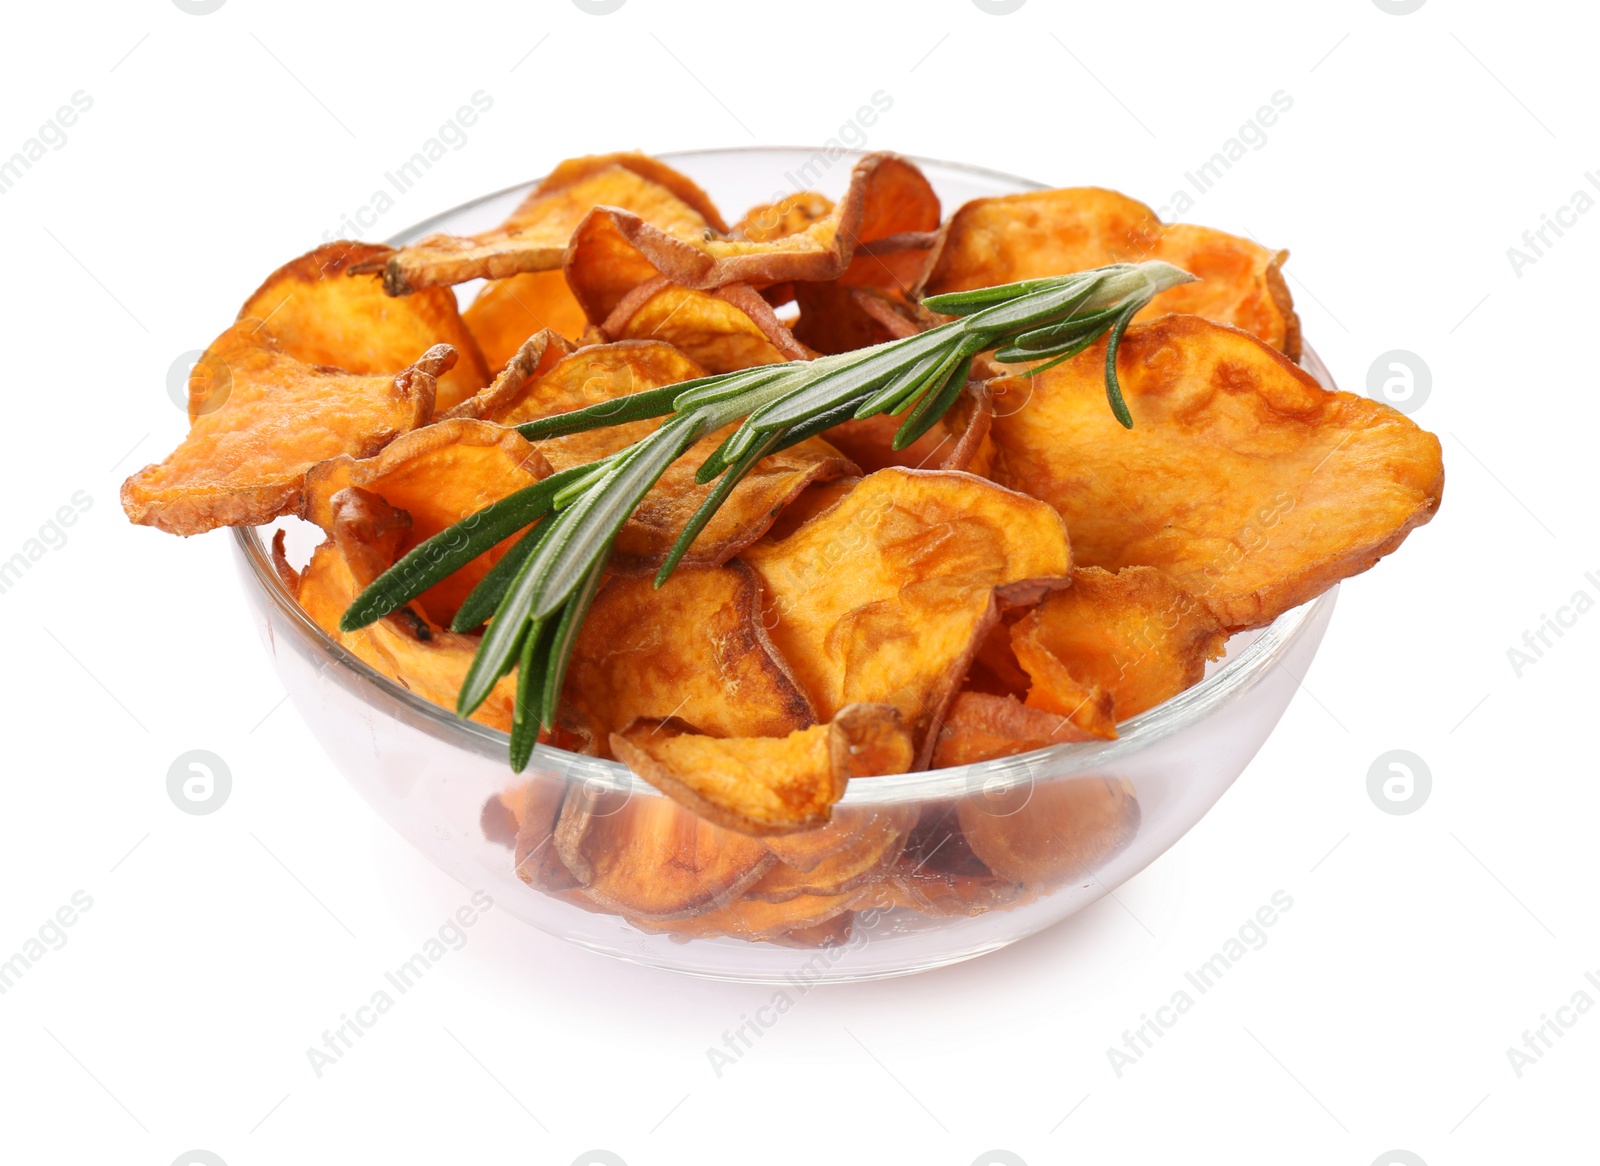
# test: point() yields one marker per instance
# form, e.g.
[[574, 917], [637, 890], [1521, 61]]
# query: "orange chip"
[[367, 535], [1128, 641], [438, 475], [326, 587], [794, 922], [767, 785], [1055, 232], [724, 331], [788, 216], [888, 207], [651, 858], [323, 314], [805, 850], [1243, 480], [837, 318], [829, 932], [937, 874], [534, 237], [244, 462], [1238, 282], [815, 499], [982, 726], [994, 668], [537, 355], [536, 807], [875, 847], [750, 509], [508, 311], [1068, 829], [927, 551], [499, 819], [694, 649], [599, 372]]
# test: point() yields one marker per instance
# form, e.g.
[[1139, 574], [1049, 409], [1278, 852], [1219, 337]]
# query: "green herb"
[[536, 597]]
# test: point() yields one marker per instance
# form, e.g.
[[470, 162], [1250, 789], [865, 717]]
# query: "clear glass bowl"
[[1071, 823]]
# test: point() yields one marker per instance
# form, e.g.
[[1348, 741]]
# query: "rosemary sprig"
[[536, 597]]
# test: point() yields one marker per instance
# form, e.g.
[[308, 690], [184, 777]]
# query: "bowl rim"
[[1237, 675]]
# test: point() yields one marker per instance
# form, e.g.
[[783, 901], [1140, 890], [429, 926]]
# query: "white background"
[[1419, 948]]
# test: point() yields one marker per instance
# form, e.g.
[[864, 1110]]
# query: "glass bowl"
[[1057, 828]]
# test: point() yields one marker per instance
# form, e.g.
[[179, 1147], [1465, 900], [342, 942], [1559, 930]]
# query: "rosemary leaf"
[[562, 639], [451, 549], [481, 602], [727, 386], [935, 403], [966, 303], [617, 411], [1055, 338], [1054, 356], [906, 383], [1114, 386], [850, 381], [524, 716], [718, 461], [1032, 310], [817, 425], [500, 643]]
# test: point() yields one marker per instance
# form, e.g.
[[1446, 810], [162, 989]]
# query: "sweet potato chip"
[[788, 216], [326, 587], [1068, 829], [937, 873], [651, 858], [535, 236], [367, 535], [994, 668], [499, 818], [536, 355], [927, 552], [755, 920], [1134, 637], [804, 850], [438, 475], [817, 498], [244, 463], [599, 372], [767, 785], [508, 311], [694, 649], [680, 185], [836, 318], [991, 241], [982, 726], [834, 932], [1245, 482], [537, 808], [888, 204], [873, 849], [323, 314], [723, 331], [749, 511]]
